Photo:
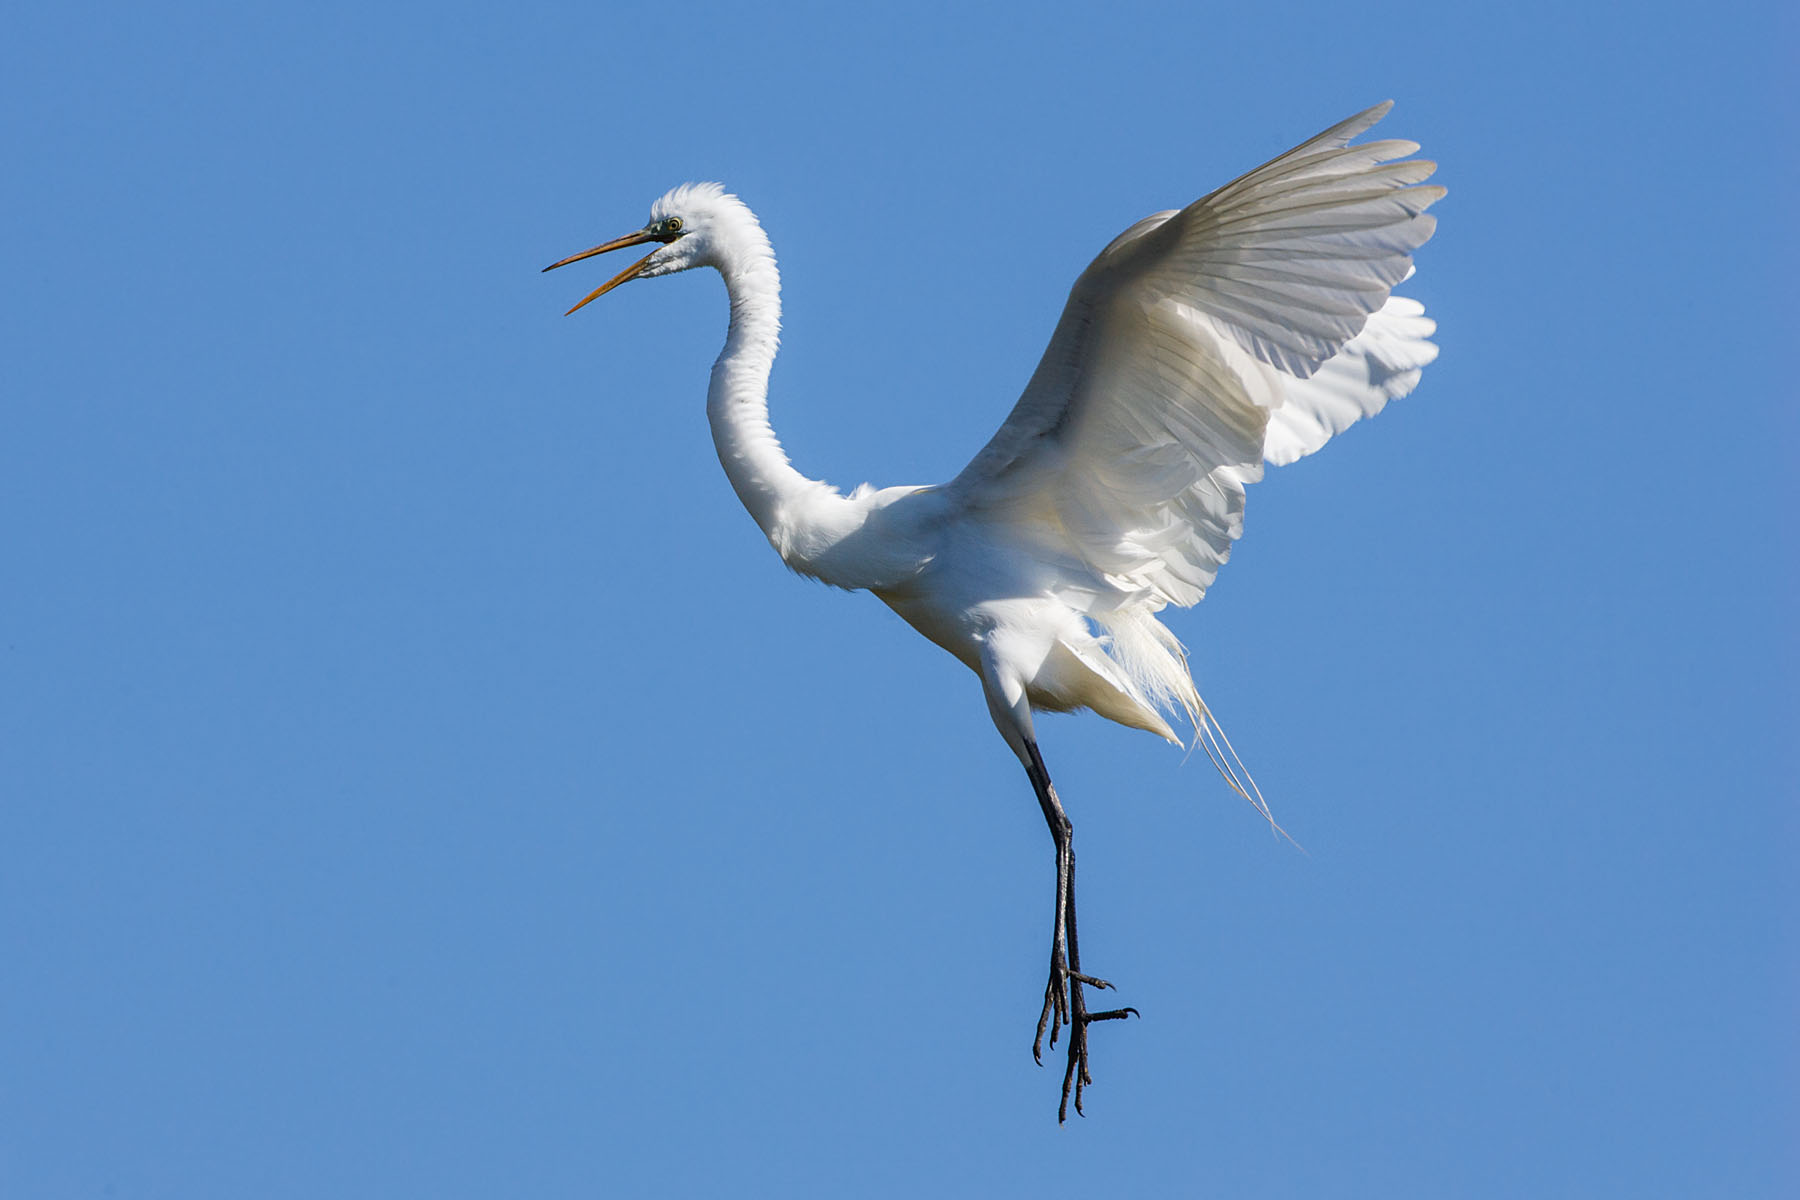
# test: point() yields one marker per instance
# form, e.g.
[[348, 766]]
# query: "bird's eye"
[[673, 224]]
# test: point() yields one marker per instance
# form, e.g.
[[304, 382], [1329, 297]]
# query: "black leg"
[[1064, 1003]]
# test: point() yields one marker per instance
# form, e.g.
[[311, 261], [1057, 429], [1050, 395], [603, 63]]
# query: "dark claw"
[[1056, 1009], [1062, 1110], [1037, 1043]]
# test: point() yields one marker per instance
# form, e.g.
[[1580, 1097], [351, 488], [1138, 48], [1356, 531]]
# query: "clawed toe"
[[1075, 1075], [1056, 1009], [1064, 1004]]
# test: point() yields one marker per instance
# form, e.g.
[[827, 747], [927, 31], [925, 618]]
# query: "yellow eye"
[[674, 224]]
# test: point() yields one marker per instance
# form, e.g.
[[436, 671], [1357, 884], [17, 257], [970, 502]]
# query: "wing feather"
[[1204, 342]]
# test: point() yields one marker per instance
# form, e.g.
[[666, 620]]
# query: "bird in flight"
[[1201, 345]]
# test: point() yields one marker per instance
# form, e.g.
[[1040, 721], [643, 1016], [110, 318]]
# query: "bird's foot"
[[1064, 1004], [1075, 1075]]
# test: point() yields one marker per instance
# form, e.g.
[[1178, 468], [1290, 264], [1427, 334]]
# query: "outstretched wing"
[[1204, 342]]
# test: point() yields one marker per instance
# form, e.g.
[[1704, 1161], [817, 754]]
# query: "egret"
[[1201, 345]]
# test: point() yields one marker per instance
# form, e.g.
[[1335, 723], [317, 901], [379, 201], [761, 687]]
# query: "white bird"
[[1245, 329]]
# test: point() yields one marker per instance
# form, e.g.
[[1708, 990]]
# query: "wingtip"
[[1426, 195], [1350, 127]]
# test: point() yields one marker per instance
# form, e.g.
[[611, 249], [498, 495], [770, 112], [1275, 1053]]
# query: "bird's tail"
[[1209, 734], [1156, 662]]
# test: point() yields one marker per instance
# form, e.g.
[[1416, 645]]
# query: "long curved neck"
[[737, 401]]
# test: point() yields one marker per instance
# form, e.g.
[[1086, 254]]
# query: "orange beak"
[[628, 274]]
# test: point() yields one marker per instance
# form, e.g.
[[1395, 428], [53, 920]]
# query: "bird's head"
[[694, 225]]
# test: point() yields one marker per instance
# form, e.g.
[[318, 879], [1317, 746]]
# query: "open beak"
[[629, 273]]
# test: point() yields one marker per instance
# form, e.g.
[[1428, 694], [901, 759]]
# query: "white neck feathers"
[[778, 497]]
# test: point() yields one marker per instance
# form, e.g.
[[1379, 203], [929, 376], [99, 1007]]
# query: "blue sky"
[[421, 779]]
